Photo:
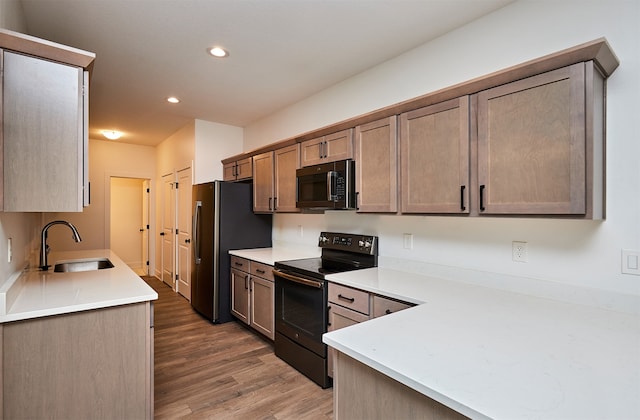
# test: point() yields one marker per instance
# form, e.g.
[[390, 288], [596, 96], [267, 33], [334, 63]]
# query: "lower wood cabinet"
[[360, 392], [381, 306], [348, 306], [240, 295], [253, 295], [89, 364]]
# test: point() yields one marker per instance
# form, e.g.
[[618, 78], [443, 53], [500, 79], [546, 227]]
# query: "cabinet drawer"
[[262, 270], [383, 306], [240, 263], [354, 299]]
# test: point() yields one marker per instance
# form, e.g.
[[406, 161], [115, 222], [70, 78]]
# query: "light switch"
[[631, 262], [408, 240]]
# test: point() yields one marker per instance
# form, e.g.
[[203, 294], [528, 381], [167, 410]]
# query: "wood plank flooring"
[[224, 371]]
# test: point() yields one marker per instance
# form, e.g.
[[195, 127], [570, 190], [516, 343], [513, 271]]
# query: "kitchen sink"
[[82, 265]]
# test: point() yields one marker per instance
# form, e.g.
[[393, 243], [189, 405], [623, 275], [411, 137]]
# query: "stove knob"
[[323, 239], [361, 244]]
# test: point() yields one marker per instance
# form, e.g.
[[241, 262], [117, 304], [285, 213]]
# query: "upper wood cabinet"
[[238, 170], [434, 158], [44, 135], [263, 183], [274, 180], [377, 166], [540, 145], [287, 160], [329, 148], [528, 140]]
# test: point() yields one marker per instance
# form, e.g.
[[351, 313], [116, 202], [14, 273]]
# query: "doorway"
[[129, 222]]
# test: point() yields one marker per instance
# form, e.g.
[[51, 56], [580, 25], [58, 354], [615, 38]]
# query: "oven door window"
[[301, 313]]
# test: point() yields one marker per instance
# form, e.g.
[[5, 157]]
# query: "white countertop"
[[36, 293], [490, 353], [271, 255]]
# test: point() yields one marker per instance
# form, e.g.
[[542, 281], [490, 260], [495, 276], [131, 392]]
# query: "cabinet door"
[[43, 118], [244, 170], [263, 183], [339, 146], [354, 299], [336, 146], [383, 306], [97, 364], [287, 160], [312, 152], [240, 295], [531, 145], [340, 317], [376, 166], [263, 306], [229, 171], [435, 158]]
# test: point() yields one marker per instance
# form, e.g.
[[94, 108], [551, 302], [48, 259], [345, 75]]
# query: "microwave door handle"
[[331, 178]]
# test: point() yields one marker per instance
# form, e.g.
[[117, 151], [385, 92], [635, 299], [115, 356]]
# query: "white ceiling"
[[281, 51]]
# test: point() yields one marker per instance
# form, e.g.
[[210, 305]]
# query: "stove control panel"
[[363, 244]]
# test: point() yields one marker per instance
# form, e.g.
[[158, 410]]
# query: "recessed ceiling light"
[[218, 52], [112, 134], [173, 100]]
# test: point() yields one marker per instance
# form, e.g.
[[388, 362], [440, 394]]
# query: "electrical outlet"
[[407, 241], [519, 251], [631, 262], [300, 230], [9, 250]]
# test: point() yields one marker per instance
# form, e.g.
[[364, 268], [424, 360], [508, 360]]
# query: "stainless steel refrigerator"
[[223, 220]]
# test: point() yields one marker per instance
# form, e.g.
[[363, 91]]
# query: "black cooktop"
[[312, 267], [340, 252]]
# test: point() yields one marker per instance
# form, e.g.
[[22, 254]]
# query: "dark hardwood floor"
[[223, 371]]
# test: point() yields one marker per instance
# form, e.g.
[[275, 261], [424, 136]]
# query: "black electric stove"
[[301, 299]]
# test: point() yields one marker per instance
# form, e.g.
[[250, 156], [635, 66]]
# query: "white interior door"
[[184, 232], [167, 234]]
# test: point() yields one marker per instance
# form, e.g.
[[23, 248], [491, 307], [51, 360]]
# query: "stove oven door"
[[301, 310]]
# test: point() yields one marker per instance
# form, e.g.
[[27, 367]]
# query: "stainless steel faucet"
[[44, 248]]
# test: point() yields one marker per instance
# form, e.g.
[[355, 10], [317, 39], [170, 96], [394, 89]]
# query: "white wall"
[[12, 16], [214, 142], [571, 252], [106, 159]]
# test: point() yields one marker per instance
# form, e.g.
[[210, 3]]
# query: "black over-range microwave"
[[328, 186]]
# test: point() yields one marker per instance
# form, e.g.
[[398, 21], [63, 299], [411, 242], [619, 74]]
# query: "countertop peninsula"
[[490, 353]]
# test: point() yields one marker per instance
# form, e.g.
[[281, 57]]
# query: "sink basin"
[[82, 265]]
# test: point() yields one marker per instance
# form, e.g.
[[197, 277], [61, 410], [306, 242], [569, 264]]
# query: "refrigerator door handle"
[[196, 229]]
